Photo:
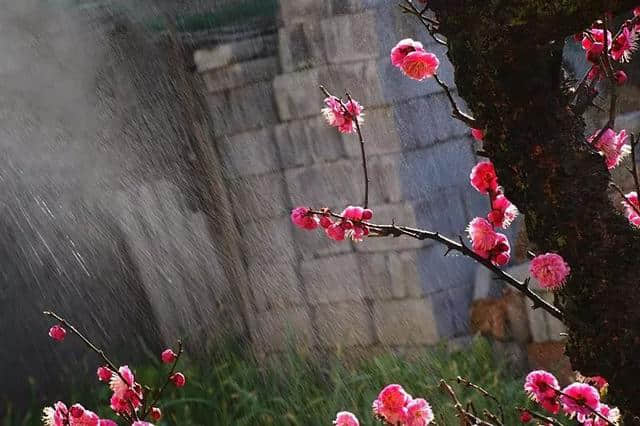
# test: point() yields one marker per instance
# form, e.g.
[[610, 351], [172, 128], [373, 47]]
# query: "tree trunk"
[[507, 57]]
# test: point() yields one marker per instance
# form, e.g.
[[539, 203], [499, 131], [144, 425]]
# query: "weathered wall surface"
[[279, 153]]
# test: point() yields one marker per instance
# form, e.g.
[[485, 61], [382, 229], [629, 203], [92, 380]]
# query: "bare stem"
[[465, 415], [360, 138], [467, 119], [634, 165], [428, 23], [420, 234], [485, 393], [166, 383], [546, 419]]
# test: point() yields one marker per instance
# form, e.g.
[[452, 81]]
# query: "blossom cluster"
[[341, 115], [580, 400], [631, 208], [485, 241], [350, 224], [393, 407], [414, 61], [126, 399]]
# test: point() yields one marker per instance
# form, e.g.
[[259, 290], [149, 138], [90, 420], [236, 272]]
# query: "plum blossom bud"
[[345, 418], [178, 380], [367, 214], [104, 374], [477, 134], [621, 77], [156, 413], [168, 356], [76, 410], [57, 332], [525, 416], [302, 218], [325, 222]]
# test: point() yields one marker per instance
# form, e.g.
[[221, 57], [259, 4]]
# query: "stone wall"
[[278, 153]]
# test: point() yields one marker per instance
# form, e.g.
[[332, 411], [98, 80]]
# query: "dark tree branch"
[[420, 234], [466, 119]]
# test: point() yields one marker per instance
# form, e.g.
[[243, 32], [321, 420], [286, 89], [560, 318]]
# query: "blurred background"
[[151, 153]]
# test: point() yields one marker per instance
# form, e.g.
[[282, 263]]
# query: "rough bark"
[[507, 58]]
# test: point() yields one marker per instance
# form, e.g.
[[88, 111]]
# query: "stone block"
[[405, 278], [489, 318], [444, 211], [443, 166], [297, 94], [351, 37], [308, 141], [435, 112], [334, 185], [385, 184], [376, 276], [360, 79], [259, 196], [332, 279], [550, 356], [380, 134], [242, 109], [517, 317], [294, 10], [404, 322], [344, 325], [241, 74], [249, 153], [451, 310], [440, 273], [277, 329], [301, 46], [403, 214], [239, 51], [275, 286], [266, 241]]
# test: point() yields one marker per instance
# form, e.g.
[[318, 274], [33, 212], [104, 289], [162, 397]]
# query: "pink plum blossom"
[[550, 270], [345, 418], [126, 393], [107, 422], [611, 414], [402, 49], [483, 178], [593, 43], [612, 145], [81, 417], [477, 134], [58, 415], [302, 218], [58, 333], [141, 423], [336, 116], [541, 387], [503, 212], [624, 45], [168, 355], [104, 374], [419, 413], [631, 201], [336, 232], [579, 399], [391, 404], [620, 77], [420, 65], [481, 234], [178, 380], [501, 251], [350, 226]]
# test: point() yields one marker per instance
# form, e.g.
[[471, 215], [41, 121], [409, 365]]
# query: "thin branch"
[[467, 119], [420, 234], [622, 194], [486, 394], [166, 383], [360, 138], [546, 419], [464, 414], [426, 21], [95, 349]]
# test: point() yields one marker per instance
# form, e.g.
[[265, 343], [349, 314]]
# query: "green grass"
[[236, 389]]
